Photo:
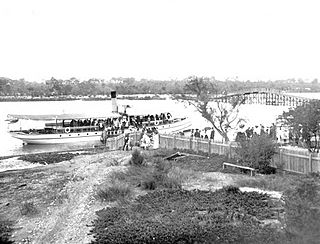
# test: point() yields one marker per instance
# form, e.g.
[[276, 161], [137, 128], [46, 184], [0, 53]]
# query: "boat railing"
[[160, 122], [78, 129]]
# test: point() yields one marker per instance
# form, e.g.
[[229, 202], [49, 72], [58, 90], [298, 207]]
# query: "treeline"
[[128, 86]]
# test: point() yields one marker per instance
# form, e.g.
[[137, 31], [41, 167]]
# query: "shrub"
[[257, 152], [302, 212], [136, 159], [149, 184], [231, 189], [167, 176], [115, 191], [28, 209]]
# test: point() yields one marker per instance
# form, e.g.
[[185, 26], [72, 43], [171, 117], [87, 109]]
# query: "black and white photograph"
[[159, 121]]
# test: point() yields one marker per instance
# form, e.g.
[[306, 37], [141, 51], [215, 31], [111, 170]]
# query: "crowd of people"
[[149, 137], [243, 132], [247, 133], [121, 123], [206, 133]]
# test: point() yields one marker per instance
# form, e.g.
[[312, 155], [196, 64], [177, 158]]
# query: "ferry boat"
[[69, 128]]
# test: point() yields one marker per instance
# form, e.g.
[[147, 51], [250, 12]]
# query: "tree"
[[304, 123], [257, 152], [201, 93], [302, 211]]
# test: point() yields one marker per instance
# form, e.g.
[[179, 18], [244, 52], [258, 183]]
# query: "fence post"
[[280, 158], [310, 163], [190, 143], [209, 146]]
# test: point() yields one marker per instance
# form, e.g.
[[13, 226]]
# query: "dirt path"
[[69, 221]]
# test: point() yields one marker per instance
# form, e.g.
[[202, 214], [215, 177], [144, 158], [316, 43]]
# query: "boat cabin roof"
[[62, 116]]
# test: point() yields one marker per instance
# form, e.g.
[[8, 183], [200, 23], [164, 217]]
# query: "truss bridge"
[[265, 97]]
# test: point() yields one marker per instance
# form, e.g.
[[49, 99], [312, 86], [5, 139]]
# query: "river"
[[254, 115]]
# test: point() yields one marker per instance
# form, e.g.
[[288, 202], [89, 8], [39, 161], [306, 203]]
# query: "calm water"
[[254, 115]]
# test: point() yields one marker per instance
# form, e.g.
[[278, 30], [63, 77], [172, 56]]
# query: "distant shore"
[[84, 98]]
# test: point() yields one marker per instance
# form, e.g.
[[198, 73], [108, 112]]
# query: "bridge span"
[[265, 97]]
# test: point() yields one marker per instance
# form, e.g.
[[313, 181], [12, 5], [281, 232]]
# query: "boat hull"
[[175, 127], [91, 136], [42, 139]]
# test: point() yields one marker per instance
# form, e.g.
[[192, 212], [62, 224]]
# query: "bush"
[[28, 209], [257, 152], [302, 212], [115, 191], [149, 184], [136, 159]]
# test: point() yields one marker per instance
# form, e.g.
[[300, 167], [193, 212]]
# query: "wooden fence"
[[116, 143], [289, 159], [197, 145], [296, 160]]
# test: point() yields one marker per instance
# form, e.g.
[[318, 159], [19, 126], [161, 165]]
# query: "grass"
[[116, 190]]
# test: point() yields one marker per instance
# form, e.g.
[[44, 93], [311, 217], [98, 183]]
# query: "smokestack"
[[114, 102]]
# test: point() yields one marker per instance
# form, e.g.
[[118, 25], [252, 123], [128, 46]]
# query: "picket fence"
[[289, 159]]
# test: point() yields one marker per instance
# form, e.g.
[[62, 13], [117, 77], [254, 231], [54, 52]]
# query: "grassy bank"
[[115, 197]]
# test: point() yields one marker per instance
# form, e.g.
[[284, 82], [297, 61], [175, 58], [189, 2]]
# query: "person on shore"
[[126, 142], [156, 140], [249, 132], [256, 130], [145, 141], [212, 134], [202, 134], [197, 133]]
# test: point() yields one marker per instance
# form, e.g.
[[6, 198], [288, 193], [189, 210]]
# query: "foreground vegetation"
[[179, 216], [145, 198], [166, 213]]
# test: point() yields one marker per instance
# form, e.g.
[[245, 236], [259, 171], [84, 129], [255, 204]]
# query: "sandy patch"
[[216, 180], [15, 164]]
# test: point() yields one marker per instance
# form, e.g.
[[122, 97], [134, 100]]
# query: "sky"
[[159, 39]]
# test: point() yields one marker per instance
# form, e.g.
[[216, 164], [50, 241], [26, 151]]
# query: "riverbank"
[[57, 203]]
